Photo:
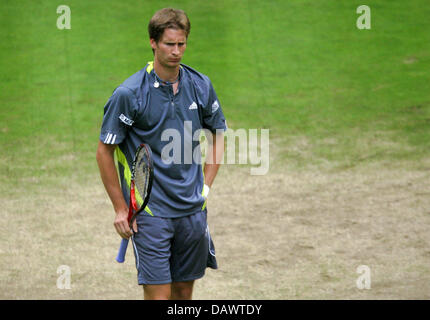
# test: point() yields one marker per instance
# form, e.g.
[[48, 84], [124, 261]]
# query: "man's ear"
[[153, 44]]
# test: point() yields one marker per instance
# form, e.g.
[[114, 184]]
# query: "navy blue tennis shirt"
[[143, 110]]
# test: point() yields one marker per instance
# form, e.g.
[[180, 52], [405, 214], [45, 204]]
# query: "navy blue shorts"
[[172, 249]]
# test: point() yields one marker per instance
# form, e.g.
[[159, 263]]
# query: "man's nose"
[[175, 50]]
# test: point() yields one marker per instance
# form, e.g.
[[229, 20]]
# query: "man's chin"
[[171, 64], [174, 64]]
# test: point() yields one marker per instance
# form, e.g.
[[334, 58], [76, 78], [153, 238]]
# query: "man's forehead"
[[173, 35]]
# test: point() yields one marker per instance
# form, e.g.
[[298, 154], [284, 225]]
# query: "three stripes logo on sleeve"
[[110, 139]]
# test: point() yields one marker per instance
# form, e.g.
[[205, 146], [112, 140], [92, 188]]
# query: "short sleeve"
[[119, 114], [213, 116]]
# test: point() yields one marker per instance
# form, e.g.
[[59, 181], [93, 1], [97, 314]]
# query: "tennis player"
[[164, 103]]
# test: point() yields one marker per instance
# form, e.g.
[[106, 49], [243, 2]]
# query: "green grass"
[[300, 68], [334, 97]]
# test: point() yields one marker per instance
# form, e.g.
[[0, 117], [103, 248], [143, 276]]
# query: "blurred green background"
[[329, 92], [334, 98]]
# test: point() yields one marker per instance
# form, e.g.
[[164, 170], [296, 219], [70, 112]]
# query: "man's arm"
[[214, 157], [106, 163]]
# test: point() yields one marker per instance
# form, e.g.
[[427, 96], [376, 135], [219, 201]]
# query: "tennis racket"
[[142, 173]]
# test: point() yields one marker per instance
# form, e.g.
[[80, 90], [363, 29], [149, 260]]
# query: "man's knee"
[[157, 291], [182, 290]]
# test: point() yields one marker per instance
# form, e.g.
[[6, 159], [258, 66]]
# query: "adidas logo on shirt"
[[215, 106], [193, 106]]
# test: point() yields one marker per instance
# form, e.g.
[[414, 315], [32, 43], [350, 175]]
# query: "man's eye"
[[180, 44]]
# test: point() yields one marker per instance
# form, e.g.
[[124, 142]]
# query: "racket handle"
[[122, 250]]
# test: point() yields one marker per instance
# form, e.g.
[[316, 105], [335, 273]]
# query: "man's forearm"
[[106, 163], [213, 158], [109, 176]]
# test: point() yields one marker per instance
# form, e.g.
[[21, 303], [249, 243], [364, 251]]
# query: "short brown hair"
[[168, 18]]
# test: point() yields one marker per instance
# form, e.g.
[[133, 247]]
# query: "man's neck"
[[166, 74]]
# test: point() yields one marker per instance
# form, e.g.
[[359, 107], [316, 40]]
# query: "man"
[[163, 101]]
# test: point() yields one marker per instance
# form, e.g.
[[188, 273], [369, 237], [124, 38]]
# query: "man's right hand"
[[121, 224]]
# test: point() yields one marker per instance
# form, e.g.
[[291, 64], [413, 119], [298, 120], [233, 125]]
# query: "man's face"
[[170, 48]]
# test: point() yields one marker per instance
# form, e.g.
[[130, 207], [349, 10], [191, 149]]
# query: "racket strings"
[[141, 176]]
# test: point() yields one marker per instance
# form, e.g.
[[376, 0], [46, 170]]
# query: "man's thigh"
[[152, 248], [173, 250], [190, 248]]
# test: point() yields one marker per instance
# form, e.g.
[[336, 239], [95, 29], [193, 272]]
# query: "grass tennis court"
[[349, 118]]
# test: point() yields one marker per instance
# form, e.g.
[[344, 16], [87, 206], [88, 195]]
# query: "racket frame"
[[132, 212]]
